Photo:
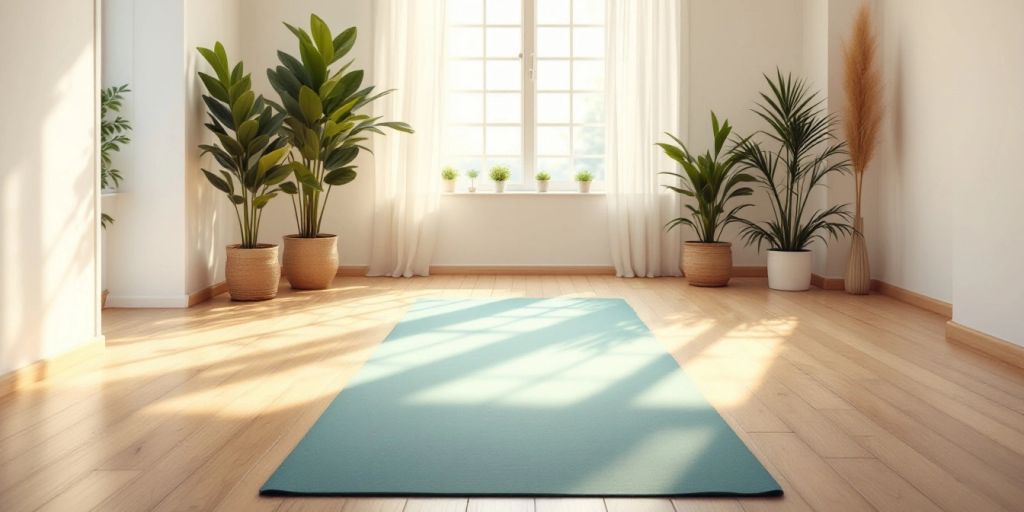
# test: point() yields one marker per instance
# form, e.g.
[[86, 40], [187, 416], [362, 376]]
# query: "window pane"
[[468, 12], [466, 108], [552, 140], [466, 74], [466, 42], [465, 140], [588, 74], [588, 140], [594, 165], [465, 164], [504, 107], [504, 140], [552, 42], [558, 168], [587, 108], [553, 12], [514, 164], [504, 75], [588, 42], [504, 12], [588, 11], [553, 74], [553, 107], [504, 42]]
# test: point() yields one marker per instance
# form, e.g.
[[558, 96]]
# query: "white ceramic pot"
[[789, 270], [584, 187], [472, 185], [499, 186], [542, 186], [449, 186]]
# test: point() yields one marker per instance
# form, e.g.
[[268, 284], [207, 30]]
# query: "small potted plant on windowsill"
[[543, 179], [472, 175], [449, 175], [500, 174], [583, 179]]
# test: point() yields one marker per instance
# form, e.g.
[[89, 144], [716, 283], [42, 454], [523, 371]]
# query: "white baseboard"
[[147, 301]]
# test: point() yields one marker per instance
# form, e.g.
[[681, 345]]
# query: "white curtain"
[[409, 55], [644, 60]]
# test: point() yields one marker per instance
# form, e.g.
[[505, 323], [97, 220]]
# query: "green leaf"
[[260, 201], [340, 176], [309, 102], [237, 199], [241, 107], [271, 159], [276, 175], [217, 182], [247, 130], [344, 42], [214, 87], [304, 175], [314, 63], [289, 188], [322, 37]]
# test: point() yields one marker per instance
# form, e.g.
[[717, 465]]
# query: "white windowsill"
[[521, 193]]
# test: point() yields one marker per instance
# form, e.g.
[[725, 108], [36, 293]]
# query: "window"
[[526, 80]]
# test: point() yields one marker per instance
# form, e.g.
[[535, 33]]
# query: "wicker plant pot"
[[310, 263], [252, 274], [707, 264]]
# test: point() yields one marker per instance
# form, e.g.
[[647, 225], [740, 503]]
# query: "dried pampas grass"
[[863, 86]]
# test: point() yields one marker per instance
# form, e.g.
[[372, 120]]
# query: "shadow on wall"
[[48, 229]]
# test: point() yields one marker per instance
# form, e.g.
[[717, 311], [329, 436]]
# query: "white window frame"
[[528, 90]]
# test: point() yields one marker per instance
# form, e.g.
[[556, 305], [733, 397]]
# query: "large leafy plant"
[[248, 148], [322, 106], [801, 152], [113, 135], [712, 181]]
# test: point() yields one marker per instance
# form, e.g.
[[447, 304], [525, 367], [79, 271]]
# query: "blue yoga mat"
[[521, 397]]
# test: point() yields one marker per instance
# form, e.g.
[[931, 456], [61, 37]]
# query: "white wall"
[[732, 43], [147, 244], [211, 221], [48, 198], [948, 212]]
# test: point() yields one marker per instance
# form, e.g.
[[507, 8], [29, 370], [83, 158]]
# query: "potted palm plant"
[[500, 174], [583, 179], [250, 155], [712, 182], [543, 179], [802, 152], [472, 174], [114, 131], [323, 121], [449, 175]]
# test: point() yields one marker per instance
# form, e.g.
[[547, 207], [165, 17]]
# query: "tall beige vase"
[[858, 270], [252, 274], [310, 263]]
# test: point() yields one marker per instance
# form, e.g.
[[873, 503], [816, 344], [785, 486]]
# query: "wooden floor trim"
[[922, 301], [46, 368], [828, 283], [207, 293], [986, 343]]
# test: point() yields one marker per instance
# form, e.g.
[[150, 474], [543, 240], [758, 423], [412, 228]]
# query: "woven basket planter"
[[310, 263], [858, 270], [707, 264], [252, 274]]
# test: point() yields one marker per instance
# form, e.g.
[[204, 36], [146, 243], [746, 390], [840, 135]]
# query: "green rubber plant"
[[249, 148], [323, 120], [712, 180]]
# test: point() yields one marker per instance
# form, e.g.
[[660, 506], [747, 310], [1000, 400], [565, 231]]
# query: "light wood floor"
[[853, 403]]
